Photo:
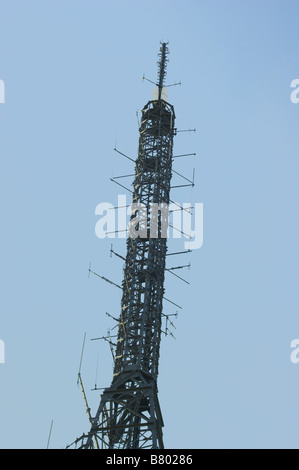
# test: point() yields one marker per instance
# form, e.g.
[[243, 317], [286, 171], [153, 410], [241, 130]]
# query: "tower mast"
[[129, 415]]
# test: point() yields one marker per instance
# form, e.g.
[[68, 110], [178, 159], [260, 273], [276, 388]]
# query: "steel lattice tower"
[[129, 415]]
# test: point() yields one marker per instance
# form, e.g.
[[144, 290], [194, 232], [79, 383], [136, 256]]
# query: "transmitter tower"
[[129, 414]]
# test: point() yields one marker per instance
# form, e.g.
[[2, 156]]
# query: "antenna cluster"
[[129, 416]]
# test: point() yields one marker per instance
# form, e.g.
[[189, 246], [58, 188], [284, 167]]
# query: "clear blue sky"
[[72, 71]]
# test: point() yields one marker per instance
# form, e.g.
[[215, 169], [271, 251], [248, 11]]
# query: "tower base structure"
[[129, 415]]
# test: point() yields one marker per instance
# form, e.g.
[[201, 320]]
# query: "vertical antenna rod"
[[162, 64], [50, 432]]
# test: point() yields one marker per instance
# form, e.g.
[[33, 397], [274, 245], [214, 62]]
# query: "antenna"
[[162, 64], [167, 330], [105, 279], [111, 344], [187, 130], [81, 355], [96, 378], [50, 432], [80, 382]]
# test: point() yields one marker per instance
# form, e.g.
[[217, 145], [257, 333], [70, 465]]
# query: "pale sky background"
[[73, 75]]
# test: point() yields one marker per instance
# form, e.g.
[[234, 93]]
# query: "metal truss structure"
[[129, 415]]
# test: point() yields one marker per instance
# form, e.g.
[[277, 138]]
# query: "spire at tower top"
[[162, 64]]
